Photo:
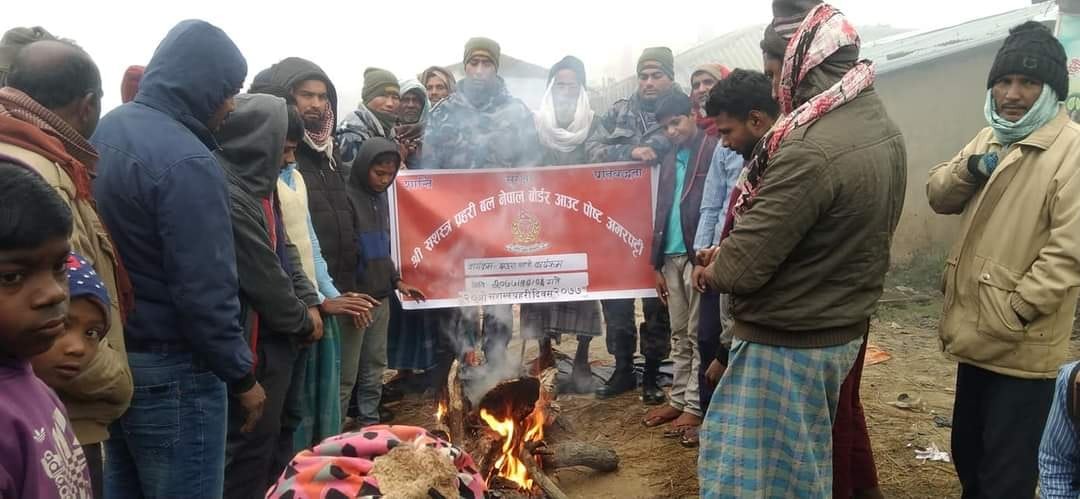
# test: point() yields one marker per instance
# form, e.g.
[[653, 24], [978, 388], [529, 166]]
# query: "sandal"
[[676, 432], [690, 437]]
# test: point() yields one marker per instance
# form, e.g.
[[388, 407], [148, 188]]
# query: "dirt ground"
[[654, 467]]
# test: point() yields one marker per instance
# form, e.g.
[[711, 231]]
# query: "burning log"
[[570, 454], [541, 479], [457, 406]]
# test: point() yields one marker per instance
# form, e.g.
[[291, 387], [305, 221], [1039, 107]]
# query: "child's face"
[[73, 350], [381, 175], [33, 298]]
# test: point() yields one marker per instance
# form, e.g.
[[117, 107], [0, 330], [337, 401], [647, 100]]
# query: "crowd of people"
[[199, 285]]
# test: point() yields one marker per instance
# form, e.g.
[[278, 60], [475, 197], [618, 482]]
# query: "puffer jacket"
[[1017, 258]]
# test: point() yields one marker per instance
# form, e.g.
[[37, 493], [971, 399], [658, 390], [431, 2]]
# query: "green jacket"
[[806, 263]]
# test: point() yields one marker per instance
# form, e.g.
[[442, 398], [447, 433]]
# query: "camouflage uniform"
[[624, 127], [498, 134], [357, 127]]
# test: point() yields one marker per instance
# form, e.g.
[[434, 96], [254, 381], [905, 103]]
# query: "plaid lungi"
[[322, 401], [768, 431], [579, 318]]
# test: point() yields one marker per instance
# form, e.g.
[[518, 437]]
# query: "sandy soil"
[[654, 467]]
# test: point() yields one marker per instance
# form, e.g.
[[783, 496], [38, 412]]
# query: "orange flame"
[[534, 425], [508, 464], [440, 411]]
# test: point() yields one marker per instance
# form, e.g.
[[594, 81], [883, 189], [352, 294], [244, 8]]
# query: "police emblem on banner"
[[525, 230]]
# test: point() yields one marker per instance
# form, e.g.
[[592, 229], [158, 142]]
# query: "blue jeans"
[[171, 441]]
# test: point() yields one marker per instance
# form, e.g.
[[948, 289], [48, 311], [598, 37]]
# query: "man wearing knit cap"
[[564, 122], [376, 116], [702, 80], [629, 132], [439, 83], [483, 126], [804, 262], [1013, 276]]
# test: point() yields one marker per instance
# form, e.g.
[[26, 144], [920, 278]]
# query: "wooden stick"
[[567, 454], [546, 484]]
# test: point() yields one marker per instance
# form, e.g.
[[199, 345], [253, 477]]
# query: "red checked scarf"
[[824, 31]]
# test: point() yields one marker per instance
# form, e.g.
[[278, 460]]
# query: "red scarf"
[[824, 31], [27, 136]]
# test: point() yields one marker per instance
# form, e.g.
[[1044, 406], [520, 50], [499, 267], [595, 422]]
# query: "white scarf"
[[563, 139]]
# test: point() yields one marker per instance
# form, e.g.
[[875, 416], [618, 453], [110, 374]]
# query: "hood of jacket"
[[252, 143], [415, 87], [280, 79], [369, 150], [193, 71]]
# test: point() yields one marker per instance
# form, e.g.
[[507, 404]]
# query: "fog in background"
[[406, 37]]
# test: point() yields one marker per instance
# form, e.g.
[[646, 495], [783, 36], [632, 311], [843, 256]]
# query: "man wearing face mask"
[[565, 120], [1013, 276], [482, 126], [629, 131]]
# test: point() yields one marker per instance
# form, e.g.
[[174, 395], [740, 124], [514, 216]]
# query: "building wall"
[[938, 106]]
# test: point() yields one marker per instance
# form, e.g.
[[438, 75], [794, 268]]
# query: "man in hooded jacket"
[[301, 82], [805, 262], [278, 304], [186, 348]]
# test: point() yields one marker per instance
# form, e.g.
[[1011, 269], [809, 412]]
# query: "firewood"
[[567, 454], [457, 409], [546, 483]]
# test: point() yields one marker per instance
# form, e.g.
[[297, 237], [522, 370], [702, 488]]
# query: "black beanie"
[[1032, 50], [674, 104], [573, 64], [661, 57]]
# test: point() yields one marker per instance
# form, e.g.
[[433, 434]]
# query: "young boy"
[[86, 324], [678, 210], [363, 356], [39, 454]]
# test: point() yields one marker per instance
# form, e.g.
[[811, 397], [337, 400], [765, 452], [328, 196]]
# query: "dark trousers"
[[253, 461], [998, 422], [709, 329], [622, 333], [96, 466], [853, 458]]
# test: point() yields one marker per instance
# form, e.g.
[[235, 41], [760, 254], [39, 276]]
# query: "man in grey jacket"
[[279, 306]]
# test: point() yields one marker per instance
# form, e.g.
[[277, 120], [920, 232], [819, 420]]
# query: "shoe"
[[621, 382], [651, 393]]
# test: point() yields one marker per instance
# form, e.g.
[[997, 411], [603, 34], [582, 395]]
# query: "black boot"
[[621, 381], [651, 394]]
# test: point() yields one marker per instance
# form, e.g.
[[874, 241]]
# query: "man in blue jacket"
[[165, 199]]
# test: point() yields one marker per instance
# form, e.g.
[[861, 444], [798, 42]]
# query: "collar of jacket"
[[1044, 137]]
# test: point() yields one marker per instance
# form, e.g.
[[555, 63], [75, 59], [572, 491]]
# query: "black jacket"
[[697, 167], [331, 213], [272, 282], [376, 273]]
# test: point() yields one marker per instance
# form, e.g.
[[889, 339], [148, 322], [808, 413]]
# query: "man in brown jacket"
[[51, 104], [1012, 277], [804, 264]]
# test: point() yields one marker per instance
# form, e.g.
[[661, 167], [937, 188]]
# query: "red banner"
[[524, 235]]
